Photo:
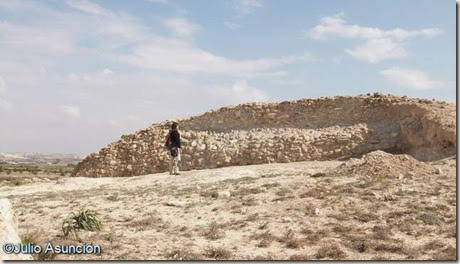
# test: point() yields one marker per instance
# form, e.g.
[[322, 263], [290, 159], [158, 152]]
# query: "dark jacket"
[[175, 138]]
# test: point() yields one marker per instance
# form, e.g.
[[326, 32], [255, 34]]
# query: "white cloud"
[[27, 39], [377, 50], [246, 93], [410, 78], [2, 86], [379, 44], [89, 7], [237, 92], [245, 7], [107, 71], [90, 35], [4, 104], [108, 28], [179, 56], [337, 26], [181, 27], [72, 111]]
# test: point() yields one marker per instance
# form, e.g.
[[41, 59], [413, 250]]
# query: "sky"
[[77, 74]]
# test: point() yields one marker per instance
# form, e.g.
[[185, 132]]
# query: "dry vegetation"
[[295, 211]]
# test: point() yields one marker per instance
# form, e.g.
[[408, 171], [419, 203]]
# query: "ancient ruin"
[[338, 127]]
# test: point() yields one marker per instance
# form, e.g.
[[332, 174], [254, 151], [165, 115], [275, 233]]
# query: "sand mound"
[[382, 164]]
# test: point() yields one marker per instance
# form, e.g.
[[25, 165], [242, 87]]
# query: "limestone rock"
[[175, 203], [223, 195], [8, 231]]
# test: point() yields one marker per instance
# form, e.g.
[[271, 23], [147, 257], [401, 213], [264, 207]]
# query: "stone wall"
[[308, 129], [8, 231]]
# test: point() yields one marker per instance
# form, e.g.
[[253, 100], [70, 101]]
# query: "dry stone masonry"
[[339, 127]]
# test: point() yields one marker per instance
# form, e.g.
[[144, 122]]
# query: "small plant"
[[86, 220], [214, 232], [265, 238], [219, 253], [290, 239], [283, 191], [36, 239], [299, 257], [318, 174], [330, 251], [430, 218]]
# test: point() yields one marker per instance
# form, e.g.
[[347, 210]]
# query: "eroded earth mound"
[[382, 165]]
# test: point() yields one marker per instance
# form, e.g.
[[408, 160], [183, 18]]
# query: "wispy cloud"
[[181, 27], [413, 79], [171, 4], [379, 44], [245, 7], [179, 56], [232, 25], [89, 8], [235, 93], [71, 111], [32, 39], [4, 104]]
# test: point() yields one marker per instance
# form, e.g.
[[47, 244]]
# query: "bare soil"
[[374, 208]]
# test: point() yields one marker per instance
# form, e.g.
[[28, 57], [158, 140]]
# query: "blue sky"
[[76, 74]]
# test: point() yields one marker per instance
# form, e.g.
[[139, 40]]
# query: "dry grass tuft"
[[290, 240], [430, 218], [145, 223], [214, 232], [331, 251], [283, 191], [183, 254], [381, 232], [393, 247], [300, 257], [449, 253], [366, 217], [36, 238], [266, 238], [433, 245], [341, 229], [218, 253]]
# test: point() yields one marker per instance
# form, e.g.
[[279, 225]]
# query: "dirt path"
[[277, 211]]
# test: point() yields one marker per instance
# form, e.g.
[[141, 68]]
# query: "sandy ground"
[[302, 210]]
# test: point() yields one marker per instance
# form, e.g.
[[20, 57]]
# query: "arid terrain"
[[378, 207], [368, 177]]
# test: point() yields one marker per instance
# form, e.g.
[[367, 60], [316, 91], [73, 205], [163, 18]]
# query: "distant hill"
[[40, 158]]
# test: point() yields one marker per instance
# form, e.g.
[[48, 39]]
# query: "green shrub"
[[86, 220]]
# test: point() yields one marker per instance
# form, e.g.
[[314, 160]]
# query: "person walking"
[[175, 149]]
